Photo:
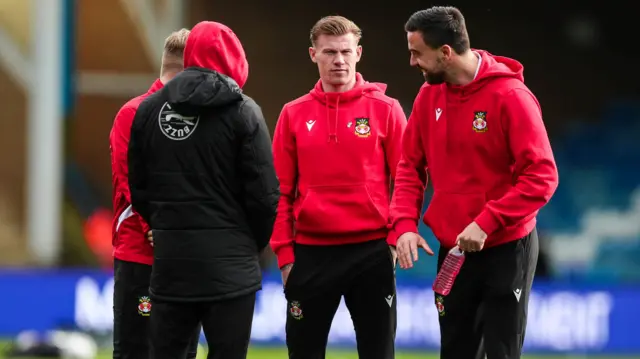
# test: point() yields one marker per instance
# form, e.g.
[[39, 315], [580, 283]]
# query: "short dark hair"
[[441, 25]]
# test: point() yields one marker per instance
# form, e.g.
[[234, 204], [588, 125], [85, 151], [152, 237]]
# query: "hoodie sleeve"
[[119, 142], [393, 148], [393, 142], [261, 189], [411, 176], [535, 168], [284, 152], [137, 171]]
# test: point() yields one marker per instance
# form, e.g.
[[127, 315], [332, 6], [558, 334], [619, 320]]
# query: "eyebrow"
[[336, 50]]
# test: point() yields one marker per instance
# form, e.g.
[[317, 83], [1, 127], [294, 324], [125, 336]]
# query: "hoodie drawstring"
[[333, 130]]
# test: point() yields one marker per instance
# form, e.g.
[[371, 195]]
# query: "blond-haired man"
[[133, 254], [335, 151]]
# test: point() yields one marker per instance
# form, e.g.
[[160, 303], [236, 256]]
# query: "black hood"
[[196, 89]]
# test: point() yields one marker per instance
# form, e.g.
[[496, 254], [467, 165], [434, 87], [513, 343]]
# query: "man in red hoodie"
[[133, 254], [478, 132], [335, 151]]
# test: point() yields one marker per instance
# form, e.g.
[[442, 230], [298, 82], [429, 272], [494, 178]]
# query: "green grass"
[[281, 353], [257, 352]]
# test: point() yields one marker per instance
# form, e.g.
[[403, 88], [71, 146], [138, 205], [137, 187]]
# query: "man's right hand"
[[407, 248], [285, 273]]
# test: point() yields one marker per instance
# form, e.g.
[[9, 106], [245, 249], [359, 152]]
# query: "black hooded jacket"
[[201, 174]]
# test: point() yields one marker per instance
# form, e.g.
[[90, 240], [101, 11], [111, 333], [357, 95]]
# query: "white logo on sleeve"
[[176, 126], [438, 113]]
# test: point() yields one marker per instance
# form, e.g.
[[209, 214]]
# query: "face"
[[432, 62], [336, 57]]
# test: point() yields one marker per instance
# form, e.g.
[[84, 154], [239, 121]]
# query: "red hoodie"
[[487, 153], [128, 228], [214, 46], [334, 154]]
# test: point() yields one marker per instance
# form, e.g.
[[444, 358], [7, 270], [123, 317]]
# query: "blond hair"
[[334, 26], [173, 51]]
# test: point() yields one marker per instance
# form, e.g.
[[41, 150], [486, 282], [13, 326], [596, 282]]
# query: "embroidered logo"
[[362, 128], [440, 305], [480, 121], [295, 310], [144, 306]]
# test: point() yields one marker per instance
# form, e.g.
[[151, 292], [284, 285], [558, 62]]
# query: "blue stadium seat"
[[619, 257], [599, 168]]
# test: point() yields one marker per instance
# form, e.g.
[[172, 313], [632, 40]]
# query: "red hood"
[[332, 99], [490, 68], [214, 46]]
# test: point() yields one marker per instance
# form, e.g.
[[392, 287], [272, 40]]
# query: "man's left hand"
[[472, 238], [150, 238]]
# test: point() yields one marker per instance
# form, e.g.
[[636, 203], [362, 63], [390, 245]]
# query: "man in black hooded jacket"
[[201, 174]]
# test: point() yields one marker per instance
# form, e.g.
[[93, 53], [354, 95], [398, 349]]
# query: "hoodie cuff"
[[285, 256], [405, 225], [487, 222], [392, 237]]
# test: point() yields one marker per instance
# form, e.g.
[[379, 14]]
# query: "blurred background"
[[66, 67]]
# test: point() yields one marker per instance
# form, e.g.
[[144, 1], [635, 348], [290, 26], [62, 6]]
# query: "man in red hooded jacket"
[[201, 174], [133, 254], [335, 152], [478, 131]]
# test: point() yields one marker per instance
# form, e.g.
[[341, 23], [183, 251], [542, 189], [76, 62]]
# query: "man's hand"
[[472, 238], [150, 238], [407, 247], [285, 271]]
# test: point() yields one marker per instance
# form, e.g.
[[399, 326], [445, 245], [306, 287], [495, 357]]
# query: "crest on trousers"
[[362, 128], [295, 310], [174, 125], [144, 306], [440, 305], [480, 121]]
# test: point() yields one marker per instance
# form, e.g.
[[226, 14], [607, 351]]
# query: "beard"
[[434, 78]]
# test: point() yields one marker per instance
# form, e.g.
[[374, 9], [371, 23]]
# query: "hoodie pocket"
[[449, 213], [327, 210]]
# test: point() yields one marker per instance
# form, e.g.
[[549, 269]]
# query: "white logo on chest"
[[310, 124]]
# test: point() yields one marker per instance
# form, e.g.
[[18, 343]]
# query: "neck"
[[327, 87], [167, 74], [464, 69], [166, 78]]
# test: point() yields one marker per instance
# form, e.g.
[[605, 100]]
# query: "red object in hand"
[[449, 271]]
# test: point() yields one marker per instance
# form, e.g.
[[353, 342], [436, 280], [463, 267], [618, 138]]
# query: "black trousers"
[[362, 273], [132, 310], [227, 327], [486, 309]]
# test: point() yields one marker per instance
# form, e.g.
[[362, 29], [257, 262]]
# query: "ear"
[[312, 54], [358, 53], [447, 52]]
